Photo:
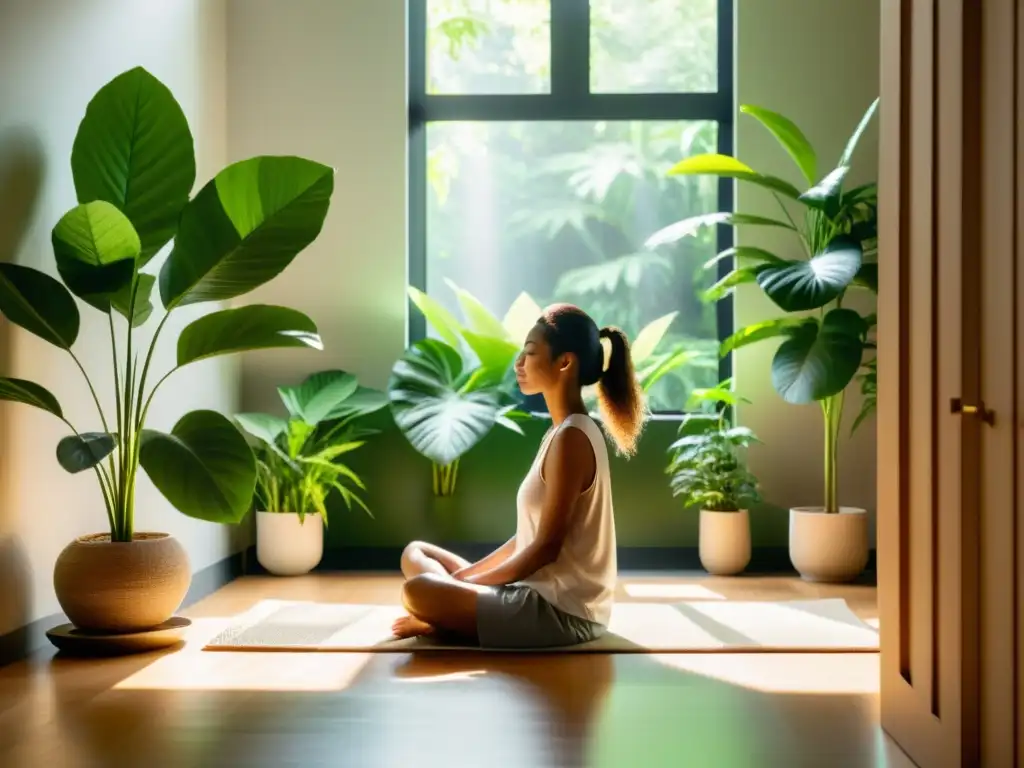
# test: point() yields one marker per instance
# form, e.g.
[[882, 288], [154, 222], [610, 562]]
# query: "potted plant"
[[708, 471], [134, 168], [824, 341], [298, 466]]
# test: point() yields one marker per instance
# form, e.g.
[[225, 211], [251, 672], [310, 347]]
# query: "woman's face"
[[536, 372]]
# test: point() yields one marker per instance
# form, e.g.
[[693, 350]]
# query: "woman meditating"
[[552, 584]]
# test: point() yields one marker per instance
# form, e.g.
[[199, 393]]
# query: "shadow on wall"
[[21, 177]]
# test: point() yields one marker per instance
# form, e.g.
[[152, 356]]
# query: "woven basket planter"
[[121, 587]]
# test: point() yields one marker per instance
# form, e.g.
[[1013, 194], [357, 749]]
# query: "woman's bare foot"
[[410, 626]]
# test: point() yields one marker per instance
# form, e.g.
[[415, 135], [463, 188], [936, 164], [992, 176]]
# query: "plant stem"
[[145, 370], [444, 476], [128, 437], [92, 390], [832, 409]]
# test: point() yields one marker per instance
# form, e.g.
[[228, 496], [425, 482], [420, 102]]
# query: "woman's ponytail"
[[620, 397]]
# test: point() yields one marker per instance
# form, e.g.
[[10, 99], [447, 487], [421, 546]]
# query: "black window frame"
[[570, 98]]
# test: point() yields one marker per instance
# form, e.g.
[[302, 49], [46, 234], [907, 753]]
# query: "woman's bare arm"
[[493, 560], [569, 467]]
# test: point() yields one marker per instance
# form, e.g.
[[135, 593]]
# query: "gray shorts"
[[515, 616]]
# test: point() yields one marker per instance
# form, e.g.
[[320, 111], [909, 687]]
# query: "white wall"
[[331, 85], [817, 63], [54, 55]]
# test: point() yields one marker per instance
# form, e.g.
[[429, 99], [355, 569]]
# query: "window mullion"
[[570, 49]]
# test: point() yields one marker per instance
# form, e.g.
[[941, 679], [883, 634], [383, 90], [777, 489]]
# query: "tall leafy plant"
[[298, 458], [824, 342], [133, 165]]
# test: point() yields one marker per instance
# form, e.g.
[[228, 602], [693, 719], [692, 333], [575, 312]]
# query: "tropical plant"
[[706, 465], [822, 353], [133, 166], [445, 408], [297, 457], [448, 393]]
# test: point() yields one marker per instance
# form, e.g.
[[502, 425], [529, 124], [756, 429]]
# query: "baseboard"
[[763, 560], [24, 641]]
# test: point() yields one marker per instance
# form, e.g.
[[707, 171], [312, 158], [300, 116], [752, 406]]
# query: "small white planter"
[[287, 547], [724, 541], [828, 548]]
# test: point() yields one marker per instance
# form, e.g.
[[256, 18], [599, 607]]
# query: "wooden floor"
[[192, 708]]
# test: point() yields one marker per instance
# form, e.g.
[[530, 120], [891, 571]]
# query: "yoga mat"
[[706, 626]]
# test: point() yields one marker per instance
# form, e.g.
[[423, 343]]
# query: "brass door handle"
[[956, 405]]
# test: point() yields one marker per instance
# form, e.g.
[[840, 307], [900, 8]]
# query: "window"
[[541, 132]]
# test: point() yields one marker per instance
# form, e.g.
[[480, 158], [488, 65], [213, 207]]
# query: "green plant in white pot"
[[300, 465], [708, 470], [824, 339], [133, 166]]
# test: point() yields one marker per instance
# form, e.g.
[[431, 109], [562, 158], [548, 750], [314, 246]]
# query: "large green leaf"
[[851, 145], [262, 426], [320, 394], [521, 317], [659, 366], [440, 319], [204, 467], [134, 150], [258, 326], [495, 354], [650, 337], [478, 317], [810, 284], [724, 287], [96, 249], [362, 402], [121, 301], [819, 359], [245, 227], [39, 303], [76, 453], [439, 421], [826, 194], [730, 167], [691, 226], [744, 254], [29, 393], [766, 329], [789, 136]]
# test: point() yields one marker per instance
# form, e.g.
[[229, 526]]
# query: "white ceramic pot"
[[287, 547], [724, 541], [828, 548]]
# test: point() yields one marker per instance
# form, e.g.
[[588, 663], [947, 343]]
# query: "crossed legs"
[[436, 601]]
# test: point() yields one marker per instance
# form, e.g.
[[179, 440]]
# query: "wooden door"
[[951, 196], [927, 536]]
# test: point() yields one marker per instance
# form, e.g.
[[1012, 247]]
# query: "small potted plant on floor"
[[708, 471], [298, 466], [824, 340], [133, 165]]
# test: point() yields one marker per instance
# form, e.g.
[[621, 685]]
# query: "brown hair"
[[568, 328]]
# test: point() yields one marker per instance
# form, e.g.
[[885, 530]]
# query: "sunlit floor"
[[193, 708]]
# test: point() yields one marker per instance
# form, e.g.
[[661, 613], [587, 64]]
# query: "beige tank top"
[[582, 579]]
